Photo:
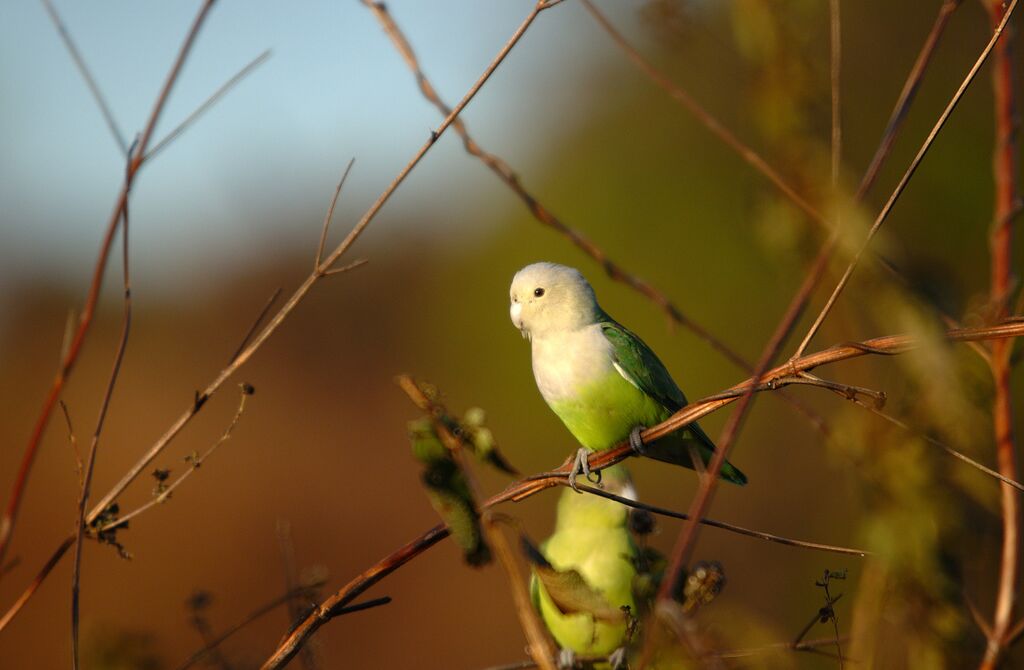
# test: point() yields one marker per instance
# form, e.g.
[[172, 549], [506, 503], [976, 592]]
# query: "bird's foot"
[[566, 659], [617, 659], [636, 442], [581, 466]]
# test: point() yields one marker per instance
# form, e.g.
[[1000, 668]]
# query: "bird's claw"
[[636, 442], [581, 466], [617, 659], [566, 659]]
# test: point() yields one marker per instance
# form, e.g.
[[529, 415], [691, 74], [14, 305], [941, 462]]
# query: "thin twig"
[[257, 323], [817, 546], [286, 597], [805, 645], [79, 468], [90, 81], [329, 216], [208, 103], [546, 217], [942, 445], [907, 95], [122, 346], [195, 461], [296, 605], [890, 203], [7, 523], [1007, 206], [681, 96]]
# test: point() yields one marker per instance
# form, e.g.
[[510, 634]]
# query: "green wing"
[[641, 366]]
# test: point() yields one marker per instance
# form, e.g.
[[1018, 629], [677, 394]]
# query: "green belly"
[[603, 413]]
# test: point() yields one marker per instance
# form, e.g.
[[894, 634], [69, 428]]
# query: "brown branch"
[[907, 95], [44, 572], [1007, 206], [7, 523], [115, 372], [90, 81], [546, 217], [911, 169], [773, 379]]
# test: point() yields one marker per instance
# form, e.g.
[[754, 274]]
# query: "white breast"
[[565, 361]]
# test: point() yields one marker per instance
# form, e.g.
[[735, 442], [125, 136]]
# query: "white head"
[[547, 298]]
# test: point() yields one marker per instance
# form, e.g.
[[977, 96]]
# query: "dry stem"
[[7, 523], [1007, 206]]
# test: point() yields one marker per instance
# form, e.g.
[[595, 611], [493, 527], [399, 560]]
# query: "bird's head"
[[550, 298]]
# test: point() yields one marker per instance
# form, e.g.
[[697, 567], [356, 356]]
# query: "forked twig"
[[9, 519], [90, 81]]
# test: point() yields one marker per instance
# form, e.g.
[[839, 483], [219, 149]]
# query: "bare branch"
[[208, 103], [329, 216], [884, 213], [907, 95], [122, 346], [10, 516], [90, 81]]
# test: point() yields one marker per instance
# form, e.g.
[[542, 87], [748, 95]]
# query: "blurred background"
[[232, 210]]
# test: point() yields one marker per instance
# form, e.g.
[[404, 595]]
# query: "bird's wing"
[[641, 367]]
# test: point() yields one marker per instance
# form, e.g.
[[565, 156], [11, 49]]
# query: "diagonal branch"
[[90, 81], [546, 217], [529, 486]]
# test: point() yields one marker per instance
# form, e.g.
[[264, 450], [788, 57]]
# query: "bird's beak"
[[515, 311]]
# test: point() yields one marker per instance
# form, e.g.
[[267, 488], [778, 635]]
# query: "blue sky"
[[334, 88]]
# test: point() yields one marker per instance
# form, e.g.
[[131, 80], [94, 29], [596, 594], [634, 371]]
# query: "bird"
[[601, 379], [585, 574]]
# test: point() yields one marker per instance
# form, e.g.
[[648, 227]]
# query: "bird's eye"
[[538, 292]]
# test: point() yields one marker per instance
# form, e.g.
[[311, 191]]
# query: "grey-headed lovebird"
[[601, 380]]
